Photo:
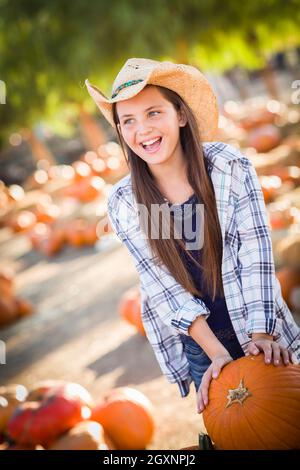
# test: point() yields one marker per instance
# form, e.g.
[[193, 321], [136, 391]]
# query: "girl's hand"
[[212, 373], [272, 351]]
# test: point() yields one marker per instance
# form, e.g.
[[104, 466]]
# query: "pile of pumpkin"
[[58, 415], [84, 178], [259, 122], [42, 220], [50, 239], [129, 309], [284, 220], [59, 203], [11, 307], [267, 131]]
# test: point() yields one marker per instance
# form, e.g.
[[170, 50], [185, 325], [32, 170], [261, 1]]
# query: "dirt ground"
[[76, 334]]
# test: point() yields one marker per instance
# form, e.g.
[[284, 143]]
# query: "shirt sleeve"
[[175, 306], [255, 258]]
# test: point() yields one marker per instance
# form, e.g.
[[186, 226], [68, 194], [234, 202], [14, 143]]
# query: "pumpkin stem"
[[237, 394]]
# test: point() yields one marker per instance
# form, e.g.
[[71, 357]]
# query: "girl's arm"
[[204, 336], [218, 354]]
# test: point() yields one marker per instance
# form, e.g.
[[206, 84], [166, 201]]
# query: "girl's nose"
[[143, 129]]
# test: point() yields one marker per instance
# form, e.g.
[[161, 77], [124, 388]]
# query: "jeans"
[[199, 361]]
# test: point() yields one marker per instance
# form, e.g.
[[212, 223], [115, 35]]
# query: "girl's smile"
[[153, 145]]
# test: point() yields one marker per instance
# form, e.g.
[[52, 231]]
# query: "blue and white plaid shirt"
[[252, 291]]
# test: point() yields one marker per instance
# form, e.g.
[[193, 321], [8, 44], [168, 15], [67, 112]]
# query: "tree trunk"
[[182, 51], [269, 78], [39, 150], [92, 134]]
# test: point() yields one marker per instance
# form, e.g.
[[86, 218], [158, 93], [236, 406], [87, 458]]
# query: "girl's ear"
[[182, 118]]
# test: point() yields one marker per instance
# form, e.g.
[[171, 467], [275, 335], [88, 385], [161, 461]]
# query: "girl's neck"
[[171, 179], [174, 170]]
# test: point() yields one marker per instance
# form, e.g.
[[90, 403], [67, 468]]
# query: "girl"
[[213, 297]]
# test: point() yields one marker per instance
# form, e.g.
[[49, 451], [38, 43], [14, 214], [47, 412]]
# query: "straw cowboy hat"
[[187, 81]]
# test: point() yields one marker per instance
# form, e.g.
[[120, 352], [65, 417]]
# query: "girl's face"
[[139, 125]]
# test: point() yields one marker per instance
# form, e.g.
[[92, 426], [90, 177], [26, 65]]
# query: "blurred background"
[[69, 297]]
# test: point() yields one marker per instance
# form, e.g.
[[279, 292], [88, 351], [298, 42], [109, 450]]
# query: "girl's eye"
[[127, 120]]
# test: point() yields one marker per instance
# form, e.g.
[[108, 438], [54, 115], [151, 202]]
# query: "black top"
[[219, 317]]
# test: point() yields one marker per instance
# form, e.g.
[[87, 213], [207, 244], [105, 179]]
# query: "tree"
[[47, 49]]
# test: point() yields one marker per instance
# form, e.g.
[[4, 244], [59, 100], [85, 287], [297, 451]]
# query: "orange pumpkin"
[[289, 280], [280, 220], [99, 167], [74, 232], [130, 309], [295, 299], [88, 435], [289, 174], [288, 251], [52, 244], [11, 307], [38, 233], [264, 138], [86, 190], [281, 214], [82, 170], [22, 221], [46, 213], [47, 239], [23, 307], [254, 406], [8, 312], [257, 118], [7, 286], [270, 186], [127, 416], [90, 233]]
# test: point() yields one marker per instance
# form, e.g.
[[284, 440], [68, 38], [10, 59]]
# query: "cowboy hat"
[[187, 81]]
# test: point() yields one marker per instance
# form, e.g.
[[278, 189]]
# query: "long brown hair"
[[147, 193]]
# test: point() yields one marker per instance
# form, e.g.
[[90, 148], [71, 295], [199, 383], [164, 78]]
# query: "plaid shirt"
[[252, 291]]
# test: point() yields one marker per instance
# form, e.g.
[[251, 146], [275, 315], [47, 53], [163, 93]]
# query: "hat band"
[[124, 85]]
